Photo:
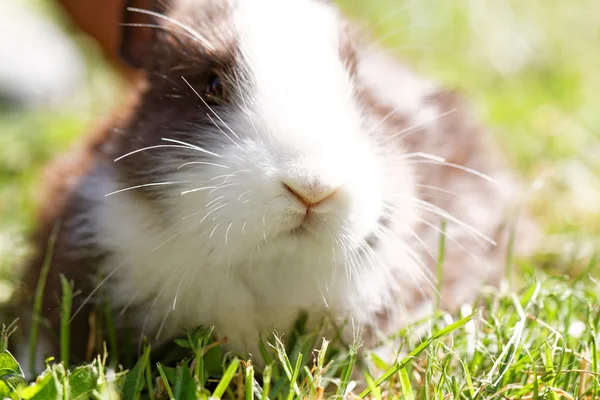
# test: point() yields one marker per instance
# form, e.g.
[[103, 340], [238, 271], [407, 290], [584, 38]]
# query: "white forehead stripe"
[[292, 49]]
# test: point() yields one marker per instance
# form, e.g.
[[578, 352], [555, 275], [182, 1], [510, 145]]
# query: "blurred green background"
[[531, 69]]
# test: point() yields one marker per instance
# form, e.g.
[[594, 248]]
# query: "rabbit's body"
[[264, 169]]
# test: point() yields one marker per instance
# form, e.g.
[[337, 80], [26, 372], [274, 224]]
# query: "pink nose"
[[310, 196]]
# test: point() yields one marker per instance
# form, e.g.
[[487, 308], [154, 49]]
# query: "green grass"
[[539, 342], [530, 69]]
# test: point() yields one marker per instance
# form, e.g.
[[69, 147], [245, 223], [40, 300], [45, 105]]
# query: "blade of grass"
[[468, 379], [39, 295], [593, 324], [165, 381], [375, 390], [347, 372], [406, 387], [266, 381], [112, 333], [227, 377], [285, 363], [310, 381], [148, 374], [439, 266], [249, 384], [294, 378], [65, 319]]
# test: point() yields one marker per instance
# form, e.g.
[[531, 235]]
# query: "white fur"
[[224, 255]]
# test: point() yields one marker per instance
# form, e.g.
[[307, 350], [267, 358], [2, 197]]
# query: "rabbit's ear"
[[138, 30]]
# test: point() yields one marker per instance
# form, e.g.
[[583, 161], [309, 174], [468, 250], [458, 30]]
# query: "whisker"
[[457, 166], [230, 175], [437, 188], [167, 241], [159, 146], [154, 26], [212, 201], [210, 108], [110, 274], [264, 227], [247, 110], [212, 211], [221, 186], [192, 146], [164, 319], [222, 131], [144, 185], [130, 302], [427, 206], [240, 196], [197, 190], [450, 238], [421, 269], [416, 236], [385, 118], [226, 232], [421, 154], [189, 30], [416, 127], [214, 229], [203, 163]]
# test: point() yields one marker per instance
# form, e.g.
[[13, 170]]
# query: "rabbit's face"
[[257, 125]]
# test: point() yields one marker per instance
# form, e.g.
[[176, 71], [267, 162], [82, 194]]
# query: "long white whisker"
[[229, 175], [214, 229], [197, 189], [213, 201], [212, 211], [192, 146], [114, 271], [189, 30], [154, 26], [130, 302], [421, 268], [226, 232], [264, 228], [144, 185], [210, 108], [437, 188], [421, 154], [247, 110], [414, 128], [221, 186], [223, 132], [457, 166], [383, 120], [416, 236], [167, 241], [203, 163], [240, 196], [164, 319], [159, 146], [450, 238], [427, 206]]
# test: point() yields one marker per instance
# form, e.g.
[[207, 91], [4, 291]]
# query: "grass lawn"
[[531, 71]]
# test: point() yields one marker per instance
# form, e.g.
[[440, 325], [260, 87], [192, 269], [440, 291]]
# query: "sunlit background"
[[530, 68]]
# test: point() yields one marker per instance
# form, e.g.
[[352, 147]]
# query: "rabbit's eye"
[[214, 91]]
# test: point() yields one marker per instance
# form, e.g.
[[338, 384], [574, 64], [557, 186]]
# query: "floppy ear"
[[137, 31]]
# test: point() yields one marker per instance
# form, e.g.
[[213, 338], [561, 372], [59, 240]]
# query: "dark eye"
[[214, 91]]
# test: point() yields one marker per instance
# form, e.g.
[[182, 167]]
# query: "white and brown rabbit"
[[269, 163]]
